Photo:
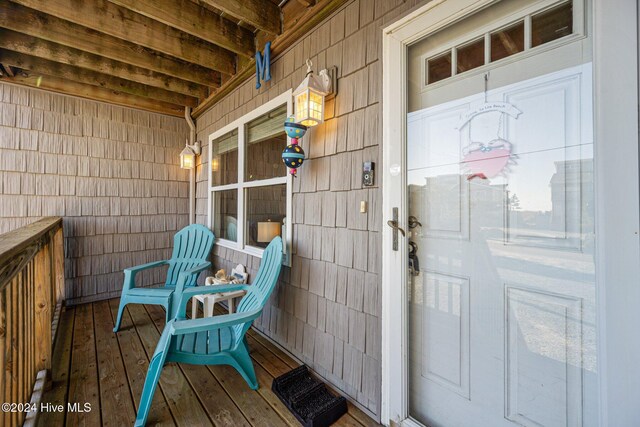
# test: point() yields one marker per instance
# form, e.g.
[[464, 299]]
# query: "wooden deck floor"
[[93, 365]]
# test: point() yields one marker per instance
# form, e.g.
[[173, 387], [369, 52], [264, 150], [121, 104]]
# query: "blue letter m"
[[263, 65]]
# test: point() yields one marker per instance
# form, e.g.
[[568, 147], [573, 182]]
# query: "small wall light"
[[310, 95], [188, 155]]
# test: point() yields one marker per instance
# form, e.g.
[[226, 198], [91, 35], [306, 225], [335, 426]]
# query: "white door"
[[500, 299]]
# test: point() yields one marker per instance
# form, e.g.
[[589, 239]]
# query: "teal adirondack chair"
[[217, 340], [191, 248]]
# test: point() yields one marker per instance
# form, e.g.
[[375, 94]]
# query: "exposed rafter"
[[17, 42], [47, 27], [187, 16], [125, 24], [43, 67], [68, 87], [173, 53], [7, 70], [262, 14], [298, 25]]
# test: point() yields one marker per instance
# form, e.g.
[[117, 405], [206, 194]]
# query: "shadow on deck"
[[93, 365]]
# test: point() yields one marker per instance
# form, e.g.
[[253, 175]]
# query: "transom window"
[[249, 188], [528, 32]]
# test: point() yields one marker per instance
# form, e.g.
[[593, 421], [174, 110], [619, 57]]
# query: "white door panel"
[[501, 315]]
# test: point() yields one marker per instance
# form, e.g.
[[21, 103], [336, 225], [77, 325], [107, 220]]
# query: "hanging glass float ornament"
[[293, 154]]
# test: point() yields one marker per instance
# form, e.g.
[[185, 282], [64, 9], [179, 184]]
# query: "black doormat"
[[308, 399]]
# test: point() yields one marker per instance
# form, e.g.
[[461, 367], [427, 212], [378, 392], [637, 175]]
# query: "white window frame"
[[241, 185]]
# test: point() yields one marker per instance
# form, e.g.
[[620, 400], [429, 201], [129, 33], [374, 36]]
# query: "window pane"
[[552, 24], [266, 208], [470, 56], [225, 218], [439, 68], [507, 42], [224, 159], [265, 141]]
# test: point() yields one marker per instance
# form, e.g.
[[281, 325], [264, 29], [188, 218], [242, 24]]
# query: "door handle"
[[413, 222], [394, 224]]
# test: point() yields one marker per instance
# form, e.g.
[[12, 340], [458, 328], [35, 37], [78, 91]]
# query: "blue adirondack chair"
[[191, 248], [217, 340]]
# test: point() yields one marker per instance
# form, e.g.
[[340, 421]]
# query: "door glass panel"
[[501, 291], [552, 24], [439, 68], [470, 56], [507, 42]]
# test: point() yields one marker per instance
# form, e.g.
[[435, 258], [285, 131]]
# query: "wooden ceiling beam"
[[18, 42], [39, 66], [47, 27], [262, 14], [299, 25], [198, 21], [7, 70], [95, 93], [125, 24]]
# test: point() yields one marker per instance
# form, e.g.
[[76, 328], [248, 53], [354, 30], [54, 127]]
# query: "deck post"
[[43, 309]]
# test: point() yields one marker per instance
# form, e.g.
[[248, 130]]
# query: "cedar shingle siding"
[[112, 172], [326, 308]]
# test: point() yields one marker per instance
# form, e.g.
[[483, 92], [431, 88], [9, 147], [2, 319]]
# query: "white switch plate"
[[363, 206]]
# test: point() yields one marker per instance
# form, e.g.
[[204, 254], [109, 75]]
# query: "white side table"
[[209, 301]]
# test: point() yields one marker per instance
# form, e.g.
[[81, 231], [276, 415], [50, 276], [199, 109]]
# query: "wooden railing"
[[31, 294]]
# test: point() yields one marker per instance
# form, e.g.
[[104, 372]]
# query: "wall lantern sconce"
[[310, 95], [188, 155]]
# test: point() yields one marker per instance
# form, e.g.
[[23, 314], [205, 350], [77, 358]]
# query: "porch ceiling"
[[158, 55]]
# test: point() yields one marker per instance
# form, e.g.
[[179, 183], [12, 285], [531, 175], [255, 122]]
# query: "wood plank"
[[198, 21], [24, 389], [255, 408], [262, 14], [58, 254], [68, 72], [15, 286], [117, 21], [298, 27], [83, 381], [3, 343], [136, 363], [46, 27], [221, 409], [182, 400], [67, 87], [7, 69], [264, 356], [60, 367], [276, 368], [116, 402], [22, 244], [8, 351], [28, 45], [43, 308]]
